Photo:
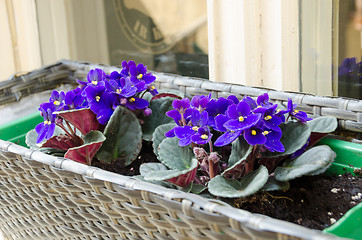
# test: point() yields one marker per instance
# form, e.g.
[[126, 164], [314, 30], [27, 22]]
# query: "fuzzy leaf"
[[324, 124], [83, 119], [159, 135], [312, 162], [160, 183], [124, 137], [295, 136], [274, 185], [174, 156], [247, 185], [235, 171], [158, 117], [194, 188], [178, 177], [239, 149], [85, 153], [147, 168]]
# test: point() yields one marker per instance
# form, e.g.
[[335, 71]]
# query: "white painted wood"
[[7, 61], [19, 37], [250, 44], [226, 38], [53, 30], [316, 48]]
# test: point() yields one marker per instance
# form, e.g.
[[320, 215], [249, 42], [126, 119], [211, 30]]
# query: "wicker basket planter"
[[47, 197]]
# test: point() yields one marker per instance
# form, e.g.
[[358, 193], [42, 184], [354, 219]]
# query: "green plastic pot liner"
[[349, 158]]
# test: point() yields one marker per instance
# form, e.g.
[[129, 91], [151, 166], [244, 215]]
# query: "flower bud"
[[58, 120], [214, 157], [147, 112]]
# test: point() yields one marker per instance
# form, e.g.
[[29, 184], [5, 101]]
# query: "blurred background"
[[312, 46]]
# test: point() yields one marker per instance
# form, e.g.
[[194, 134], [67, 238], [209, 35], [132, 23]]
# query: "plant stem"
[[183, 119], [68, 125], [211, 163], [65, 130], [249, 165]]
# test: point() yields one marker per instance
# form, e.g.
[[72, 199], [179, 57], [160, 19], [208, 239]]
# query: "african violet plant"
[[106, 117], [226, 146], [270, 145]]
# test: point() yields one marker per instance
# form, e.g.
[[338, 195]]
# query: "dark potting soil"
[[146, 155], [312, 201]]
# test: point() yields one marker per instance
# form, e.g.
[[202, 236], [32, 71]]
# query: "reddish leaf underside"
[[83, 154], [83, 119], [63, 142], [184, 179], [161, 95]]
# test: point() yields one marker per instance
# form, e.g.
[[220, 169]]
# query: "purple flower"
[[134, 103], [216, 107], [202, 136], [200, 102], [270, 119], [96, 77], [254, 135], [299, 115], [75, 100], [57, 98], [152, 89], [45, 129], [184, 133], [240, 117], [229, 136], [121, 87], [263, 100], [100, 100], [140, 73], [273, 143]]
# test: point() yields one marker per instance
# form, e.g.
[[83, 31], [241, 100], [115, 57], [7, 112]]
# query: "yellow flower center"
[[241, 119], [278, 110], [195, 128], [56, 103], [204, 136], [296, 111], [119, 90], [46, 122], [153, 88], [265, 133], [98, 98], [94, 82], [132, 100], [268, 117], [253, 132], [140, 76]]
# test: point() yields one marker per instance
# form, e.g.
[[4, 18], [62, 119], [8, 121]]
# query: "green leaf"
[[324, 124], [314, 161], [295, 136], [123, 137], [174, 156], [158, 117], [159, 135], [147, 168], [168, 174], [194, 188], [274, 185], [239, 149], [160, 183], [235, 170], [247, 185]]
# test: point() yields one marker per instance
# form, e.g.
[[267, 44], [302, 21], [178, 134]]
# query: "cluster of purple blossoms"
[[257, 121], [101, 93]]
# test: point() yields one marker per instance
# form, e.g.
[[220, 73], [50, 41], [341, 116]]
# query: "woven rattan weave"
[[47, 197]]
